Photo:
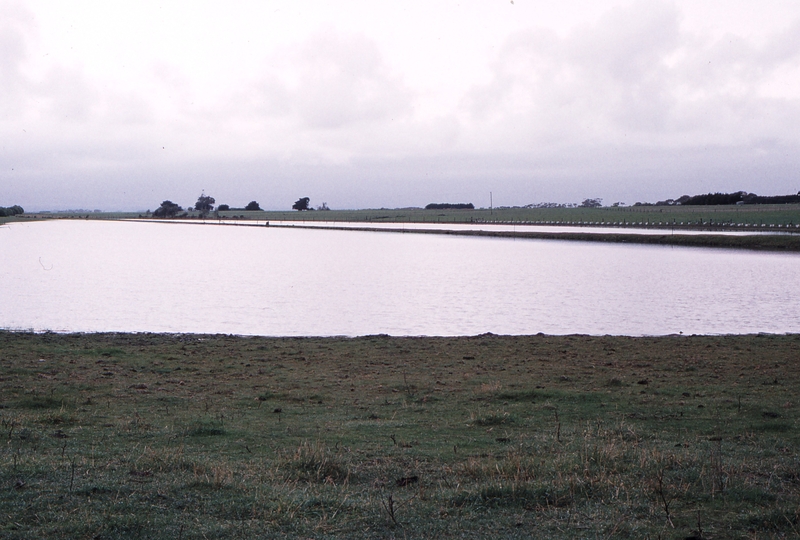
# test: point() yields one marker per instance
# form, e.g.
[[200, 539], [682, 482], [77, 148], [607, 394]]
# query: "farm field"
[[689, 215], [193, 436], [695, 216]]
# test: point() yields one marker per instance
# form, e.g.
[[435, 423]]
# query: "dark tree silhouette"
[[740, 197], [204, 203], [301, 204], [450, 206], [592, 203], [223, 207], [167, 209], [11, 211], [252, 205]]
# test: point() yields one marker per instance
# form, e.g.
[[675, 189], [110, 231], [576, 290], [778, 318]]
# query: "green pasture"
[[751, 215], [189, 436], [663, 216]]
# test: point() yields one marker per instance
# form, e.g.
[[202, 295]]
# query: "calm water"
[[125, 276]]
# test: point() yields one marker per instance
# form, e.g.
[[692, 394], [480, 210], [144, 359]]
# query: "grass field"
[[690, 216], [189, 436], [752, 215]]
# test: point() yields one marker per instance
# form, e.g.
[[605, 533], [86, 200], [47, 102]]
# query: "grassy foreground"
[[188, 436]]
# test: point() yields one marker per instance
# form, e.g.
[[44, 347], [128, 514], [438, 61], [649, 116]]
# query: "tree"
[[450, 206], [301, 204], [11, 211], [204, 204], [223, 208], [592, 203], [167, 209], [252, 205]]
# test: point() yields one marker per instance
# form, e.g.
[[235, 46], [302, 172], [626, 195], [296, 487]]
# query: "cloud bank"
[[634, 104]]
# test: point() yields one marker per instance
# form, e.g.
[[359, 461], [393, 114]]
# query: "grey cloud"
[[785, 47], [14, 26], [631, 108], [57, 95], [65, 96], [338, 81], [633, 74], [627, 44]]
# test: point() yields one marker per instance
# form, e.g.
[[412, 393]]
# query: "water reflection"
[[125, 276]]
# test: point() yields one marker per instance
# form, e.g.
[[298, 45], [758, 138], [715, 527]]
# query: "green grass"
[[183, 436], [666, 216], [752, 215]]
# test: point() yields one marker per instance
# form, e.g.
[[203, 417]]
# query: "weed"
[[316, 463], [492, 419], [39, 402], [206, 428]]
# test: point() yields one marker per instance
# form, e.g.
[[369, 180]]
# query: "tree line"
[[204, 205], [11, 211], [715, 199], [719, 199], [450, 206]]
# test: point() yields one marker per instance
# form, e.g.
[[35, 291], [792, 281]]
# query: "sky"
[[119, 105]]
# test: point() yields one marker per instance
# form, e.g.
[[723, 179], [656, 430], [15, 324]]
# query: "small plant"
[[206, 428], [317, 463], [511, 496], [39, 402], [492, 419], [661, 492]]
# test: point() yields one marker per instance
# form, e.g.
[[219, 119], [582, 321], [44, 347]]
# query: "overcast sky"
[[119, 105]]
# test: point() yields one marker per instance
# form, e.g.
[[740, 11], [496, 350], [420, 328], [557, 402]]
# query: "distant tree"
[[592, 203], [739, 197], [778, 199], [204, 204], [223, 208], [301, 204], [252, 205], [11, 211], [450, 206], [167, 209], [323, 207]]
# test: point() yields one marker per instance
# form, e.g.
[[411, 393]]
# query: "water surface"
[[72, 275]]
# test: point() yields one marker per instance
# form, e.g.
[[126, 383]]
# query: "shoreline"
[[781, 243], [487, 335]]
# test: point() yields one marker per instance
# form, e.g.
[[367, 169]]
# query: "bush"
[[450, 206], [11, 211], [167, 209]]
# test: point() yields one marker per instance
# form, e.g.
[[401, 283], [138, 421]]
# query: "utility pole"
[[491, 207]]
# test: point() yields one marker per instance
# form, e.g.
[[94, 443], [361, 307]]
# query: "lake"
[[91, 276]]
